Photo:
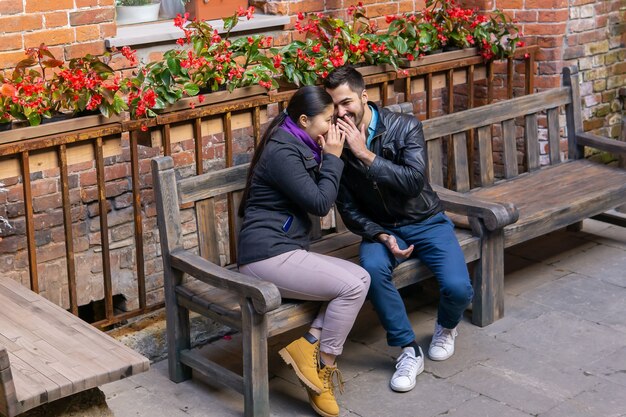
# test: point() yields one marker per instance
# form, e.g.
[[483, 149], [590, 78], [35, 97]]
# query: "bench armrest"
[[494, 215], [600, 143], [265, 296]]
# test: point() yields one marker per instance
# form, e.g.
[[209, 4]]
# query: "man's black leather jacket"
[[394, 190]]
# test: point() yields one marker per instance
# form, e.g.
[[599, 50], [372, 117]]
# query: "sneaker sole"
[[284, 353], [442, 358], [316, 408], [407, 389]]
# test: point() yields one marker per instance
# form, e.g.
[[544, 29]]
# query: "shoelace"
[[407, 364], [442, 338], [329, 375]]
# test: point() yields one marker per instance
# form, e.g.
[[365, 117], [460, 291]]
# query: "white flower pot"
[[127, 15]]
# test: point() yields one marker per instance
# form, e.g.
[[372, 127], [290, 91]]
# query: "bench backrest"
[[460, 147], [215, 196]]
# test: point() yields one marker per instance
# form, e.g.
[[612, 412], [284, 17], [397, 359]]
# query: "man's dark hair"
[[345, 75]]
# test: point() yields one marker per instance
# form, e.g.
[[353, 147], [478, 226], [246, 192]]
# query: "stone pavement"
[[560, 350]]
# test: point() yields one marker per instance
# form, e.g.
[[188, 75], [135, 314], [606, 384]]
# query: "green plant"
[[412, 35], [497, 36], [133, 2], [210, 62], [453, 22]]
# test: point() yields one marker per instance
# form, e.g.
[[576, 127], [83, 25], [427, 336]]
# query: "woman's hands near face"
[[333, 142]]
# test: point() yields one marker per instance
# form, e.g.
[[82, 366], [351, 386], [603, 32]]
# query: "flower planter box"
[[375, 69], [127, 15], [440, 57], [215, 97], [68, 125], [213, 9]]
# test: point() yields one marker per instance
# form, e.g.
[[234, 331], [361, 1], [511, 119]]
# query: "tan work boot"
[[303, 357], [325, 404]]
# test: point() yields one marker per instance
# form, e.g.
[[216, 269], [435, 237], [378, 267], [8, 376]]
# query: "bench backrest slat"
[[212, 184], [207, 231], [553, 135], [486, 151], [461, 171], [434, 150], [494, 113], [532, 142], [509, 154]]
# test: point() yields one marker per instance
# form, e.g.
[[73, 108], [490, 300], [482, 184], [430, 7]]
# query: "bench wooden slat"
[[485, 155], [461, 163], [435, 156], [207, 232], [554, 137], [531, 141], [509, 144], [212, 184], [494, 113]]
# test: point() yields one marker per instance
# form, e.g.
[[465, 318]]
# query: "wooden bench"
[[209, 284], [46, 353], [561, 191]]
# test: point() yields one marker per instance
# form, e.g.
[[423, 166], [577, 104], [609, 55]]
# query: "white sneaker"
[[442, 345], [408, 367]]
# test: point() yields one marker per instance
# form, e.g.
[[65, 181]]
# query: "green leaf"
[[400, 44], [174, 66], [191, 89]]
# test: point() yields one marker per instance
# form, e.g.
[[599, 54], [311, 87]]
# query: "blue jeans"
[[437, 247]]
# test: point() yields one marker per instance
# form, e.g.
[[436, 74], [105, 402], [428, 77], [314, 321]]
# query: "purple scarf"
[[290, 127]]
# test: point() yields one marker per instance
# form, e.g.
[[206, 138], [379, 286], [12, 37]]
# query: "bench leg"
[[488, 304], [576, 227], [178, 331], [255, 369]]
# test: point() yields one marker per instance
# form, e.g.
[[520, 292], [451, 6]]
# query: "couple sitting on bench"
[[332, 145]]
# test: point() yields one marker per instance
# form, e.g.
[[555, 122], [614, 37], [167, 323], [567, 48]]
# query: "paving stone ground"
[[560, 350]]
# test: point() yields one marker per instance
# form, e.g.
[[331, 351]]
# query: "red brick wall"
[[70, 27]]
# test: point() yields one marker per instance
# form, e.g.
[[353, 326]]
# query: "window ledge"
[[165, 31]]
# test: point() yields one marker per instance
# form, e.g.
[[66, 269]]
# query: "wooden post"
[[255, 369], [171, 235], [488, 304]]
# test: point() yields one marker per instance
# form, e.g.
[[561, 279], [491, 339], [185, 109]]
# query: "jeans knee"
[[459, 294], [359, 287]]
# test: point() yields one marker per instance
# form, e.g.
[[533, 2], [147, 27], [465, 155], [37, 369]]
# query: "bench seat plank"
[[52, 353], [557, 196]]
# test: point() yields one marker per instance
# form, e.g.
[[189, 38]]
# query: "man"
[[385, 197]]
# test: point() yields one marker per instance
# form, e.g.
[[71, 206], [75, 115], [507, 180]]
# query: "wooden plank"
[[207, 230], [212, 184], [461, 164], [435, 155], [494, 113], [485, 156], [531, 141], [509, 153], [573, 112], [554, 138]]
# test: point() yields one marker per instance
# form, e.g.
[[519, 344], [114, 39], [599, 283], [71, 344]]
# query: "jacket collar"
[[281, 136]]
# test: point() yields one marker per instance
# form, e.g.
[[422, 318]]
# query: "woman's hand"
[[333, 142]]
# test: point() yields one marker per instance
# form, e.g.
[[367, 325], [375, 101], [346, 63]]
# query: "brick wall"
[[71, 28]]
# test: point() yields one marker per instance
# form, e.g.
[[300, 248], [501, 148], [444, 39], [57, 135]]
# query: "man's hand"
[[356, 138], [392, 244]]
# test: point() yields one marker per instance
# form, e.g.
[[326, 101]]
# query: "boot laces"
[[330, 374]]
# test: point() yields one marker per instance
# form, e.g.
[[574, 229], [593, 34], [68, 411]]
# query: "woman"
[[295, 171]]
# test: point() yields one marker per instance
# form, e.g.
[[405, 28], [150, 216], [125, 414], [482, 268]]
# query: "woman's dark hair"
[[308, 100], [345, 75]]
